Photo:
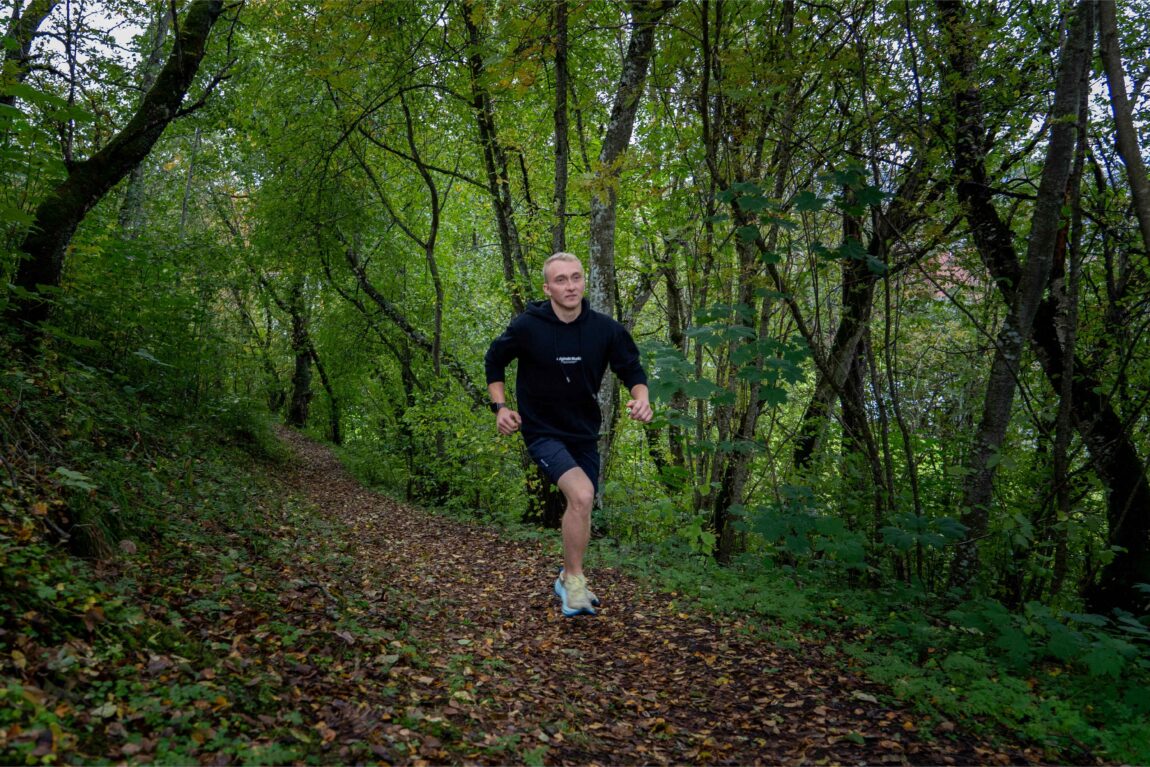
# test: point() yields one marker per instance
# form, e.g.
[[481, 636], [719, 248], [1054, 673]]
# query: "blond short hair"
[[560, 256]]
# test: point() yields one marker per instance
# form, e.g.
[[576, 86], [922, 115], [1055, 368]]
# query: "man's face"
[[564, 283]]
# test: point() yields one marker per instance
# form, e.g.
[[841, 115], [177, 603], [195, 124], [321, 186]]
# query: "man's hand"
[[508, 421], [640, 410]]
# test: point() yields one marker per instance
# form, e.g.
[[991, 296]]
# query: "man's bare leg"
[[580, 494]]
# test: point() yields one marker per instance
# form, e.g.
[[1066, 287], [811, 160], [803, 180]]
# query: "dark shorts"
[[557, 458]]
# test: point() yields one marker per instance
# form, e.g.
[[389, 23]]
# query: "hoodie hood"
[[545, 311]]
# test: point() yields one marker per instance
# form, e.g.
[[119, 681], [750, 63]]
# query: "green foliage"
[[743, 588], [795, 530], [1062, 680], [1097, 645], [246, 423], [909, 531], [771, 364], [439, 454]]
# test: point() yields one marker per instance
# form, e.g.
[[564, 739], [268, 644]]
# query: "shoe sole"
[[567, 611]]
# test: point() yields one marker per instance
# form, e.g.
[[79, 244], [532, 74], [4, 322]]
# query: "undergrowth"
[[1076, 686], [144, 569]]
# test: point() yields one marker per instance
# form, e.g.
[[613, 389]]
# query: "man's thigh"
[[556, 458]]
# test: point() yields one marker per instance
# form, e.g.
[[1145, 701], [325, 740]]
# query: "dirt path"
[[501, 677]]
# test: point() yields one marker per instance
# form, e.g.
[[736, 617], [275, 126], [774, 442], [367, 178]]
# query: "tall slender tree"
[[1028, 294]]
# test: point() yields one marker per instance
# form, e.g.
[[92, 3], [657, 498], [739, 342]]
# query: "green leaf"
[[773, 395], [147, 355], [26, 92], [851, 176], [809, 202], [13, 214], [73, 479], [753, 203], [1064, 644], [853, 249], [748, 233], [1089, 619], [1101, 660], [870, 195], [701, 389]]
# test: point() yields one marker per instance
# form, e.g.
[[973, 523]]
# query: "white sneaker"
[[573, 593]]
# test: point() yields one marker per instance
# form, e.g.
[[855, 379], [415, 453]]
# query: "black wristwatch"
[[497, 406]]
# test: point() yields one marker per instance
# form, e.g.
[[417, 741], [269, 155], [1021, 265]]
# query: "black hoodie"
[[561, 367]]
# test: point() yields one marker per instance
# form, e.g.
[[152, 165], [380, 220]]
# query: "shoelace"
[[576, 582], [576, 586]]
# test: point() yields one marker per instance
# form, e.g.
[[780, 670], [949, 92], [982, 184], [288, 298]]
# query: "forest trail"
[[502, 677]]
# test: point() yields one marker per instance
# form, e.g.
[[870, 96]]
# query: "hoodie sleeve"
[[499, 355], [625, 358]]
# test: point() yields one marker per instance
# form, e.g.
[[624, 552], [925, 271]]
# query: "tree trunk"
[[428, 243], [676, 334], [1028, 293], [858, 286], [1113, 452], [1064, 291], [59, 214], [515, 272], [1124, 118], [333, 402], [562, 144], [645, 17], [300, 401], [858, 438], [21, 32], [131, 209]]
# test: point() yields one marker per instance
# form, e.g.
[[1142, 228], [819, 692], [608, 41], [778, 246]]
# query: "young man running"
[[564, 348]]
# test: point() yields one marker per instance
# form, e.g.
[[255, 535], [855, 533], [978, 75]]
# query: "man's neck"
[[567, 315]]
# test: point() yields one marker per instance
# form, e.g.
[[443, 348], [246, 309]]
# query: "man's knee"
[[578, 491], [581, 502]]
